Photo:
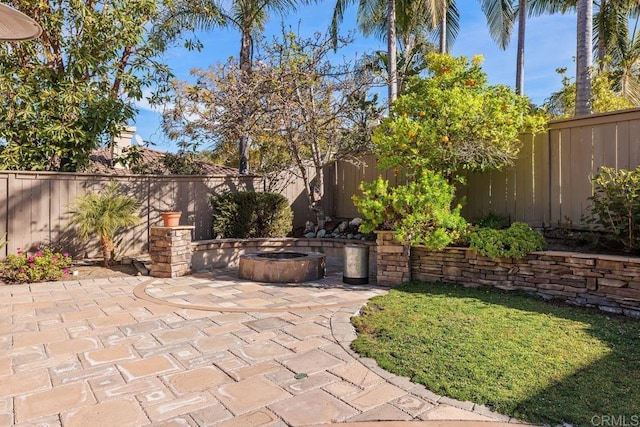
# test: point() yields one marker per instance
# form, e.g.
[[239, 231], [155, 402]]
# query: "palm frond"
[[336, 19], [501, 15], [542, 7]]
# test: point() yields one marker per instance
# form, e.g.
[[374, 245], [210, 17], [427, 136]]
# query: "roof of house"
[[100, 162]]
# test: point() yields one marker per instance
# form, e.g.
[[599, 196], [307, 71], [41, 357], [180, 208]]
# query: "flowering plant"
[[43, 265]]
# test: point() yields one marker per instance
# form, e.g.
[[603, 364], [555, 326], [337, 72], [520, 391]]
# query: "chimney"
[[120, 145]]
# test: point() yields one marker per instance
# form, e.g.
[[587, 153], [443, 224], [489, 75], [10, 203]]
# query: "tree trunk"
[[522, 22], [602, 36], [443, 28], [391, 44], [246, 46], [584, 57], [318, 195], [107, 248]]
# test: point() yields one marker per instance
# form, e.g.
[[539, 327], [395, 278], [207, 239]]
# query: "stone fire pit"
[[282, 267]]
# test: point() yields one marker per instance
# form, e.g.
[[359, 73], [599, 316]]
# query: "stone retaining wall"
[[218, 253], [610, 283]]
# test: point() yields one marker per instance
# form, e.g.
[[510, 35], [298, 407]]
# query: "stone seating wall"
[[219, 253]]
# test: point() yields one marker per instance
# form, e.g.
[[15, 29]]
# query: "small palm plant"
[[104, 214]]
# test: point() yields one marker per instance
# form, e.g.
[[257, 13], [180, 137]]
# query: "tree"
[[618, 50], [454, 121], [104, 214], [500, 18], [249, 17], [305, 110], [584, 57], [375, 14], [522, 21], [562, 104], [69, 91], [449, 25]]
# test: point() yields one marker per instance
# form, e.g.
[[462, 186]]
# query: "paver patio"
[[203, 350]]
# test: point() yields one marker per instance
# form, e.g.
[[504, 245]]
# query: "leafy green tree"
[[454, 120], [561, 104], [617, 49], [104, 214], [71, 90]]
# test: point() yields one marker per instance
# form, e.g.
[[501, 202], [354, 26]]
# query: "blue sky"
[[550, 44]]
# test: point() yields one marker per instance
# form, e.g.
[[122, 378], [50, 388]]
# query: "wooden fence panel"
[[634, 144], [34, 207], [522, 192], [541, 180]]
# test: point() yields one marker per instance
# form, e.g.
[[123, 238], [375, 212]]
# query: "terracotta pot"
[[171, 219]]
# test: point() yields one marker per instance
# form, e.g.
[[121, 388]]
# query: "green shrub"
[[513, 242], [43, 265], [615, 206], [247, 214], [419, 212]]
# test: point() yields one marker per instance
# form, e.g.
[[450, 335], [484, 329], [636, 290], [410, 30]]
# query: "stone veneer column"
[[170, 251], [392, 260]]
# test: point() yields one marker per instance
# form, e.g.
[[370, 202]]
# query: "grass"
[[517, 354]]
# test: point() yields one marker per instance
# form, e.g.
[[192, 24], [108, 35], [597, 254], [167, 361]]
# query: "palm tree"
[[104, 214], [584, 57], [248, 16], [412, 44], [611, 28], [500, 16], [372, 15], [449, 25], [411, 59]]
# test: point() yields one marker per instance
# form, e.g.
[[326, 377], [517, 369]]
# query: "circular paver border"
[[140, 292]]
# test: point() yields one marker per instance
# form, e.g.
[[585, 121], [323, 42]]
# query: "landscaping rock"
[[330, 226], [309, 227], [355, 222]]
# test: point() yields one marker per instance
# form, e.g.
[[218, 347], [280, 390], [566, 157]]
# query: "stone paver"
[[117, 412], [204, 350], [250, 394], [314, 407]]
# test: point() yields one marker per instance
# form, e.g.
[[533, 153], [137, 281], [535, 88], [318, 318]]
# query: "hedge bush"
[[247, 214], [420, 212], [514, 242]]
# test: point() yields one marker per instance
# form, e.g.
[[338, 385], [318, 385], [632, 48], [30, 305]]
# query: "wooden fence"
[[34, 206], [550, 183]]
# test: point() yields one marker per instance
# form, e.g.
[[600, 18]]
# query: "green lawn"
[[517, 354]]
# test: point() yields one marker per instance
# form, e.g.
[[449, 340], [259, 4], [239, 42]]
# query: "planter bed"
[[608, 282]]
